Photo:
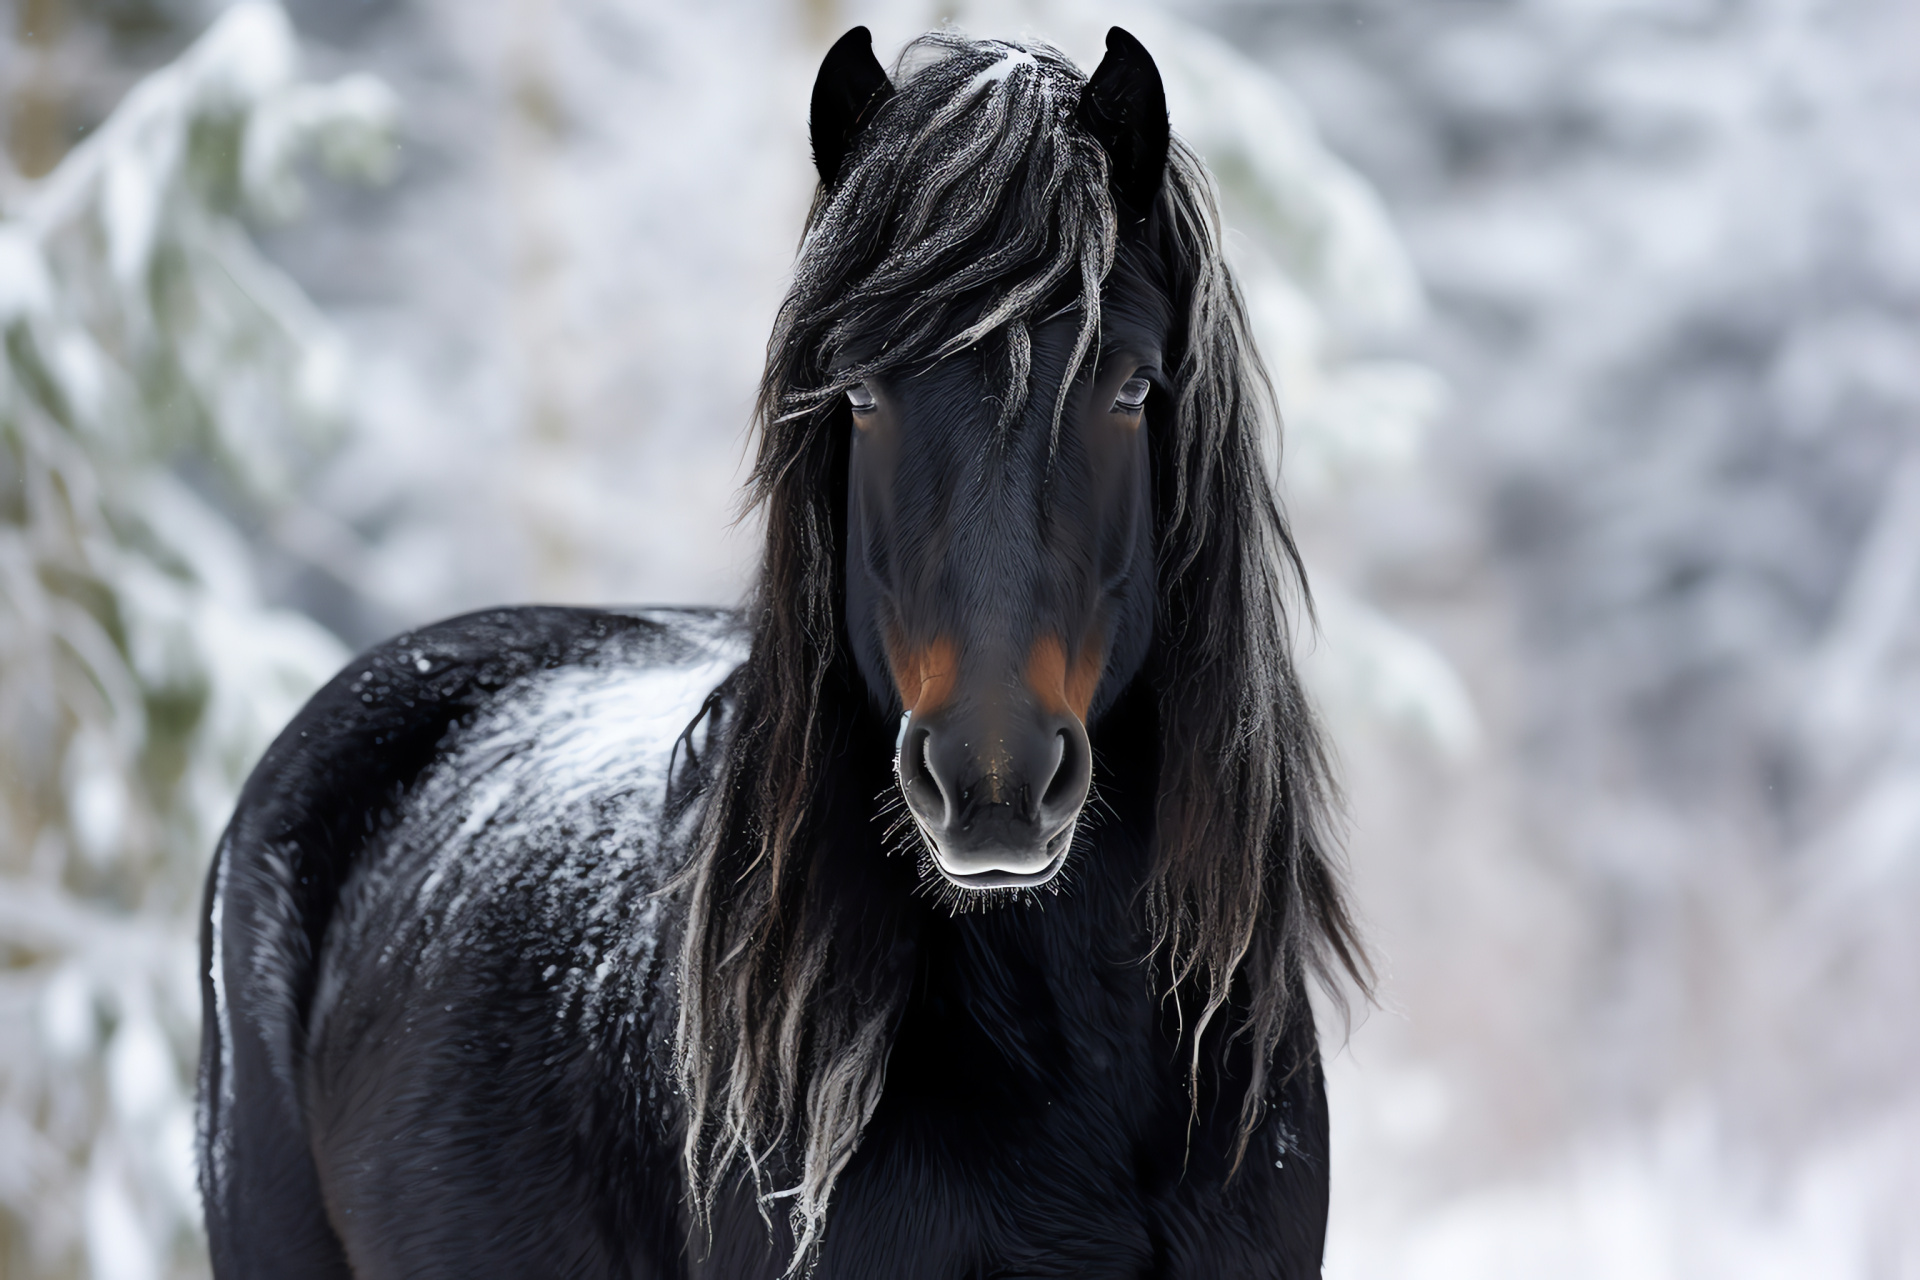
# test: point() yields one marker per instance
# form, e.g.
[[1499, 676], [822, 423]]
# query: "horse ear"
[[1124, 106], [849, 89]]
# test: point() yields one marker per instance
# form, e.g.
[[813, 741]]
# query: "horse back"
[[438, 902]]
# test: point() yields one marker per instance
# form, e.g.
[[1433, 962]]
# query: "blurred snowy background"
[[1597, 327]]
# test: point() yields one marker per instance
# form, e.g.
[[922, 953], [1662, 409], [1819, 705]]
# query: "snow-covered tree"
[[158, 376]]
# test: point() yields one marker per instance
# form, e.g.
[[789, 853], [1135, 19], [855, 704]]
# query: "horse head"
[[999, 549]]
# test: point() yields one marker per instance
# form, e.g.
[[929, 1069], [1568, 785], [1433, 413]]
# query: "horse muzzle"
[[997, 806]]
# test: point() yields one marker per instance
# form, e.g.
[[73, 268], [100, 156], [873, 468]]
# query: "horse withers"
[[949, 911]]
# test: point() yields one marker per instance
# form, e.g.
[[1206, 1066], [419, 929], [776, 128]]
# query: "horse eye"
[[860, 398], [1133, 394]]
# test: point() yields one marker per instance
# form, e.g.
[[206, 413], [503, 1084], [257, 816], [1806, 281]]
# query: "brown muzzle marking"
[[1060, 686], [925, 674]]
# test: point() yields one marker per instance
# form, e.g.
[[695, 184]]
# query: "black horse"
[[950, 911]]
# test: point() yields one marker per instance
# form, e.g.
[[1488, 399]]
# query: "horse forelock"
[[970, 203], [975, 206]]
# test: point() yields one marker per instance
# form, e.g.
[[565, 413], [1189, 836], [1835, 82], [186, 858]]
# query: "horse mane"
[[978, 160]]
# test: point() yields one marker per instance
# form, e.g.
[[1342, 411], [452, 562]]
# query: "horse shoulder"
[[445, 748]]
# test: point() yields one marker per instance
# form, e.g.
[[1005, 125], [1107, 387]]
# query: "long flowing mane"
[[974, 206]]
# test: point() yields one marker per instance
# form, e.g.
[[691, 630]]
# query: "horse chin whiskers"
[[957, 897], [958, 900]]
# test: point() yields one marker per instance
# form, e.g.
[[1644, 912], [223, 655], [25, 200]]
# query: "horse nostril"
[[1056, 782], [1067, 787], [920, 783]]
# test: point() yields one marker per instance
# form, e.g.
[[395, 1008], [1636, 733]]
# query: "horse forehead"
[[981, 485], [957, 461], [1001, 496]]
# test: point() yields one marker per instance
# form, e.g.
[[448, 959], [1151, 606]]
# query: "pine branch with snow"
[[145, 341]]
